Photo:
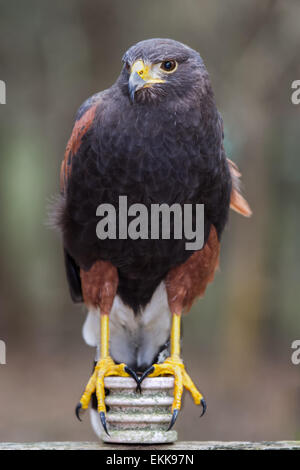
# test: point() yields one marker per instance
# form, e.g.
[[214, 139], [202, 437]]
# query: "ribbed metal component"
[[139, 418]]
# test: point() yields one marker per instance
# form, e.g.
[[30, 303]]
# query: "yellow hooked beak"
[[142, 76]]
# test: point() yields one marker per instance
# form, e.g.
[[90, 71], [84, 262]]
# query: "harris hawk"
[[156, 137]]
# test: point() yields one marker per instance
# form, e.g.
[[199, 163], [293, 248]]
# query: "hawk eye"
[[169, 65]]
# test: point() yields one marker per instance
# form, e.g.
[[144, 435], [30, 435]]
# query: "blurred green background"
[[237, 341]]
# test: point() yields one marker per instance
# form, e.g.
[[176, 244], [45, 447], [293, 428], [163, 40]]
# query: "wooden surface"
[[191, 445]]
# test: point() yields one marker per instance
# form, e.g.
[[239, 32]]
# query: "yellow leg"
[[104, 367], [173, 365]]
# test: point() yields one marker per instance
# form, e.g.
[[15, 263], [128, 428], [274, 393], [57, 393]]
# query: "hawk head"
[[156, 68]]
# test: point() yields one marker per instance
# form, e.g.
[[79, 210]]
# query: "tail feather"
[[237, 202]]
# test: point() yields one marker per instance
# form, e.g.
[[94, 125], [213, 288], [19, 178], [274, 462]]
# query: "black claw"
[[78, 409], [174, 417], [204, 407], [144, 375], [103, 421], [135, 377]]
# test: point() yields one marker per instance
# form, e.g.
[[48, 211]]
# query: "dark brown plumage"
[[165, 147], [155, 136]]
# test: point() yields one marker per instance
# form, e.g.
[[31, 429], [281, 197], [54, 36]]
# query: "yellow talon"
[[104, 368], [173, 365], [89, 390]]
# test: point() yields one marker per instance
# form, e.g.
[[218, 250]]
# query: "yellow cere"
[[146, 72]]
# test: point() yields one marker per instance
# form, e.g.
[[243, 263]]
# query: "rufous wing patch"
[[80, 128]]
